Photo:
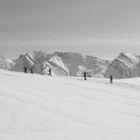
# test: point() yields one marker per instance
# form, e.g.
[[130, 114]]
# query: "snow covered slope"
[[34, 107]]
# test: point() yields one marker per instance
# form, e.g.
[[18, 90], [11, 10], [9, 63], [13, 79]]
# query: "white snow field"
[[35, 107]]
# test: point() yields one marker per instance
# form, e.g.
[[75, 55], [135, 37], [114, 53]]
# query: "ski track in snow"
[[35, 107]]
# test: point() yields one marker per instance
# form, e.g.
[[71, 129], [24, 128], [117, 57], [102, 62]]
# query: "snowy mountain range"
[[126, 65], [67, 63]]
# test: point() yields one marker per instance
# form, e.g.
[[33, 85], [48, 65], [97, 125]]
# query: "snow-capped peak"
[[129, 56], [57, 60], [123, 66]]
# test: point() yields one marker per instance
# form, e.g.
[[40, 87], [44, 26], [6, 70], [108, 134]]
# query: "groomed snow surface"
[[35, 107]]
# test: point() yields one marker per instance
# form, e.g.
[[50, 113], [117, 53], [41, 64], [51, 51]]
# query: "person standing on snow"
[[50, 72], [32, 70], [25, 69], [111, 79], [85, 76]]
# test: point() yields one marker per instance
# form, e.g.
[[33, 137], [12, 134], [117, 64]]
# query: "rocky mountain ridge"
[[126, 65], [5, 63]]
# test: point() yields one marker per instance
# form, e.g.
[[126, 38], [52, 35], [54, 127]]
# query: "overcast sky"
[[103, 28]]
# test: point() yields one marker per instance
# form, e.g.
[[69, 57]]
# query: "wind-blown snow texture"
[[34, 107]]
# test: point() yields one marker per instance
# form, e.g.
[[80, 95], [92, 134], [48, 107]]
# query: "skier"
[[32, 70], [85, 76], [25, 69], [50, 72], [111, 79]]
